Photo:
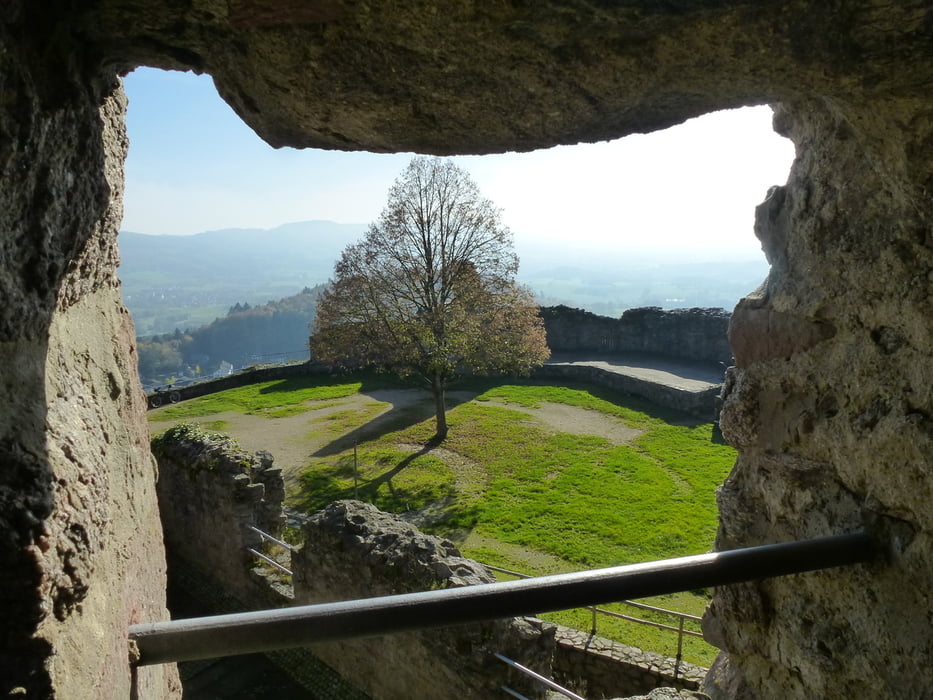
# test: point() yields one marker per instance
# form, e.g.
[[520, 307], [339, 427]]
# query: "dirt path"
[[578, 421], [294, 440]]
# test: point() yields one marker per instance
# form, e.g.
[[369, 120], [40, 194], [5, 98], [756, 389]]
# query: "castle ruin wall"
[[697, 335]]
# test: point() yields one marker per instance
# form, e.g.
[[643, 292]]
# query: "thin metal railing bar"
[[267, 536], [538, 677], [244, 633], [639, 620], [269, 560], [641, 606], [652, 608], [513, 693], [628, 618], [506, 571]]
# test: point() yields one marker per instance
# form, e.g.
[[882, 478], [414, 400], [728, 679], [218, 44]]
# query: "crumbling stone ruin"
[[697, 335], [831, 400], [209, 486], [353, 550]]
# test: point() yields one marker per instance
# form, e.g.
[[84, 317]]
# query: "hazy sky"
[[194, 166]]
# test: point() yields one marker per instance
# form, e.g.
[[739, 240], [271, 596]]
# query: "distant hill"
[[184, 282], [611, 279]]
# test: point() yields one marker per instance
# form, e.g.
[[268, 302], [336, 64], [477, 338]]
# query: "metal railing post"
[[680, 648]]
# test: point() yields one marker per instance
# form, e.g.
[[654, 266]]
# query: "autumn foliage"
[[430, 290]]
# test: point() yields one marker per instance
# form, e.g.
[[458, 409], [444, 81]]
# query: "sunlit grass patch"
[[661, 641], [275, 399], [580, 497], [214, 426], [340, 422], [531, 395]]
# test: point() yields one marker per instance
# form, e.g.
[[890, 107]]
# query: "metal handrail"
[[244, 633], [267, 536], [654, 608], [641, 606], [269, 560], [650, 623], [610, 613], [538, 677]]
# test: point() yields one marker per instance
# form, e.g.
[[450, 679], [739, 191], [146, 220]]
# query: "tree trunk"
[[440, 407]]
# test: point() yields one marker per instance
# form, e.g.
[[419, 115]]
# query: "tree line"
[[248, 334]]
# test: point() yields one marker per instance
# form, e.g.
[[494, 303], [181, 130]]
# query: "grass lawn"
[[518, 494], [275, 399]]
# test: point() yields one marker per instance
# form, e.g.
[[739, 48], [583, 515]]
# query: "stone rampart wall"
[[596, 667], [700, 335], [209, 493], [352, 550], [703, 404]]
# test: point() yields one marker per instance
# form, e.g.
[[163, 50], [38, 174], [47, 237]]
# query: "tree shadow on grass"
[[386, 477], [326, 484], [407, 410], [370, 381]]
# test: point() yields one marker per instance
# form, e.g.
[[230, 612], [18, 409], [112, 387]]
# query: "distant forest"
[[274, 332]]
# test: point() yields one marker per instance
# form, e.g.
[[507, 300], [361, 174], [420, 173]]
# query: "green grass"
[[275, 399], [579, 497], [342, 422], [392, 480], [214, 426], [540, 501], [532, 395], [585, 501]]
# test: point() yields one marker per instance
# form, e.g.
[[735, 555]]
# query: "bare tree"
[[430, 290]]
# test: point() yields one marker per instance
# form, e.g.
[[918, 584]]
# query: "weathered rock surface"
[[209, 486], [830, 404], [81, 555], [595, 667], [399, 558], [671, 694]]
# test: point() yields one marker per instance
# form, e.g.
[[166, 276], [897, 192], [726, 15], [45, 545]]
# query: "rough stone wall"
[[81, 554], [208, 486], [700, 335], [352, 550], [831, 408], [595, 667]]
